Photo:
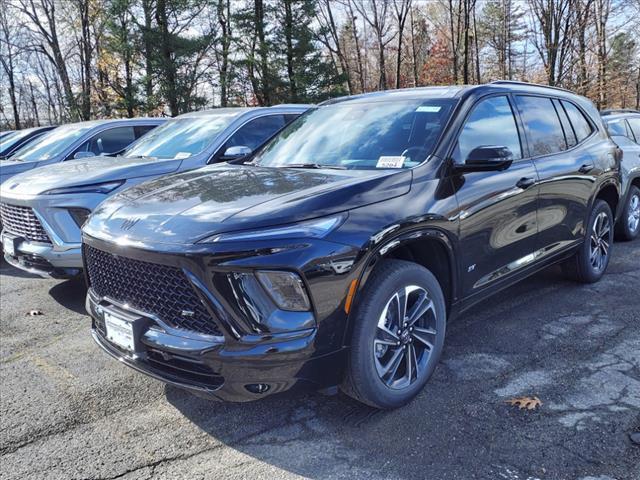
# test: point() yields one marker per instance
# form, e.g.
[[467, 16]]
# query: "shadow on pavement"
[[70, 294]]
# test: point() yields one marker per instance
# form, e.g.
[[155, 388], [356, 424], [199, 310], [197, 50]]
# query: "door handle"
[[526, 182], [586, 168]]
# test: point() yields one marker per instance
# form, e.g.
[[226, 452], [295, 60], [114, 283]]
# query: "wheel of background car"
[[398, 335], [592, 259], [628, 227]]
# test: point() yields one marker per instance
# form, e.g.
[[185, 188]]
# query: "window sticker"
[[182, 155], [390, 162], [428, 108]]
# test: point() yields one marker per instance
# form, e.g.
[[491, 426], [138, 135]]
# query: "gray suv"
[[43, 210]]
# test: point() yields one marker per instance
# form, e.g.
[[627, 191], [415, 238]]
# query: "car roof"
[[455, 91], [612, 115], [120, 121], [285, 108]]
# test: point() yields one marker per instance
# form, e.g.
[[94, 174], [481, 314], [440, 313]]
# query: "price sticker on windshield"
[[390, 162]]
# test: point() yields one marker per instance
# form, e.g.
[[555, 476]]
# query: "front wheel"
[[628, 227], [398, 335], [592, 259]]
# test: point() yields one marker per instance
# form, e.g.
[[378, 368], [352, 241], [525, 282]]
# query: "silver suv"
[[42, 210]]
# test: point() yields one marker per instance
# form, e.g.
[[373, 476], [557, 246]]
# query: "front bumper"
[[211, 367], [44, 259]]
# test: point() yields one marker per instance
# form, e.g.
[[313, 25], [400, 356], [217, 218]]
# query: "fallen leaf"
[[33, 313], [530, 403]]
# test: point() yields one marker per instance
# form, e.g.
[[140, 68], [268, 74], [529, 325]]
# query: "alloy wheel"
[[600, 241], [633, 219], [405, 337]]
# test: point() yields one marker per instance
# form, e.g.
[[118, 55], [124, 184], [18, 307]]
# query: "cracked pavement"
[[70, 411]]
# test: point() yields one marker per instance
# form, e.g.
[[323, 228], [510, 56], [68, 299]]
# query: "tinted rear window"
[[581, 125], [544, 130]]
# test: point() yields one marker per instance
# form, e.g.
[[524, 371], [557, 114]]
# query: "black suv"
[[336, 254], [624, 128]]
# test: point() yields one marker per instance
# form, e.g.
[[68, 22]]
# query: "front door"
[[497, 210]]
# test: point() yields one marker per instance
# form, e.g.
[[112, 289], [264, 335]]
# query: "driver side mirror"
[[234, 153], [486, 158], [83, 155]]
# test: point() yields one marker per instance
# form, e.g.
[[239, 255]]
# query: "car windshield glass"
[[180, 137], [52, 143], [10, 140], [388, 134]]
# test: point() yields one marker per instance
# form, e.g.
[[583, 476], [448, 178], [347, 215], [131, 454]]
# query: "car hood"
[[9, 168], [85, 172], [190, 206]]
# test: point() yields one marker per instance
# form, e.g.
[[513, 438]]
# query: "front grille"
[[156, 289], [22, 221]]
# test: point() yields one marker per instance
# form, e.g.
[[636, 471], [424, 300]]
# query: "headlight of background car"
[[286, 289], [106, 187], [317, 228]]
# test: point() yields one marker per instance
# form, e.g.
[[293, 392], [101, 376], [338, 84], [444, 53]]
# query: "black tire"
[[581, 267], [625, 229], [363, 381]]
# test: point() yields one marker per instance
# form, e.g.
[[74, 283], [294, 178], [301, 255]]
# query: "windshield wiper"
[[313, 165]]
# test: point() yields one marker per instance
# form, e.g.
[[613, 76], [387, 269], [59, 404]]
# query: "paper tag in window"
[[182, 155], [390, 162], [428, 109]]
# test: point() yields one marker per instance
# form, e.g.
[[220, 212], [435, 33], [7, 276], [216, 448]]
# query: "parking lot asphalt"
[[69, 411]]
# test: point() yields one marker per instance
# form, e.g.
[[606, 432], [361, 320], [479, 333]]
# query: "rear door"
[[557, 134], [497, 210]]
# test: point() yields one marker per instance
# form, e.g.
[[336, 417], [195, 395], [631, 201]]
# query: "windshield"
[[389, 134], [180, 137], [52, 143]]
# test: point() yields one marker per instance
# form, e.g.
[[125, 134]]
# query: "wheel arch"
[[430, 247]]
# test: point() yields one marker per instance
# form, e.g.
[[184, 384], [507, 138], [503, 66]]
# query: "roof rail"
[[516, 82], [612, 111]]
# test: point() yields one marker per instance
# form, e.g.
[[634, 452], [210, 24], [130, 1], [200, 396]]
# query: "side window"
[[617, 127], [254, 133], [543, 125], [581, 125], [634, 123], [108, 141], [569, 134], [142, 129], [491, 123]]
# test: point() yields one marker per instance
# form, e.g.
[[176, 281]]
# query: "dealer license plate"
[[119, 331]]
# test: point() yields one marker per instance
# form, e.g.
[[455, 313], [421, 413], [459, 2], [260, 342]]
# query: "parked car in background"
[[43, 209], [624, 128], [9, 144], [336, 254], [77, 140]]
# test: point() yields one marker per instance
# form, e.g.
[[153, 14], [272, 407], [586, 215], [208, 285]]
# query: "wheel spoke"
[[422, 306], [423, 335], [386, 336], [388, 372], [408, 358]]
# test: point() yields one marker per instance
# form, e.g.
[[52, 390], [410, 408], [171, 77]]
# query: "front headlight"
[[317, 228], [286, 289], [106, 187]]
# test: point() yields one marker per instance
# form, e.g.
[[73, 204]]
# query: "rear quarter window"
[[581, 125]]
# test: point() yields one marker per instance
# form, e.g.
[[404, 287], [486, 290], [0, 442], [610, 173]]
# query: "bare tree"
[[8, 58], [402, 9], [376, 14]]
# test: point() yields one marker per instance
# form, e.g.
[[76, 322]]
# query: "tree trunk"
[[148, 54], [288, 33], [166, 52]]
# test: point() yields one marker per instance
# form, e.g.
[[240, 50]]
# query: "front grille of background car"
[[158, 290], [22, 221]]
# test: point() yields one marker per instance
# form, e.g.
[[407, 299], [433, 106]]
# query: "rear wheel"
[[591, 261], [398, 335], [628, 227]]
